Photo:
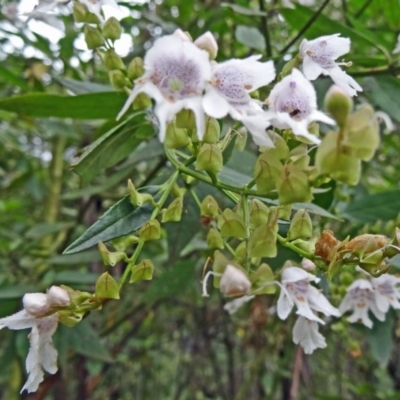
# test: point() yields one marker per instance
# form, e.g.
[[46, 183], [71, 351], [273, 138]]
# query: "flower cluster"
[[39, 314], [181, 74]]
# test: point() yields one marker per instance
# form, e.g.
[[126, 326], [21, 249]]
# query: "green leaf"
[[104, 105], [16, 291], [380, 340], [172, 282], [81, 87], [121, 219], [82, 339], [110, 148], [250, 37], [383, 206], [73, 277], [385, 93], [9, 77]]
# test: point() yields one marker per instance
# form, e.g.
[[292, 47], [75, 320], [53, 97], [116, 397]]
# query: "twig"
[[305, 27], [264, 29], [298, 365], [362, 9]]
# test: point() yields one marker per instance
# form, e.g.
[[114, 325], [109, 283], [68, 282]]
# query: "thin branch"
[[362, 9], [264, 29], [305, 27]]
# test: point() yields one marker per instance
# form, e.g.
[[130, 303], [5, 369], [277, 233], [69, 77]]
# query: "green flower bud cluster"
[[340, 154]]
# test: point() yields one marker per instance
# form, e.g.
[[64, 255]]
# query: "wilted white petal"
[[35, 303], [306, 334], [57, 296], [232, 306], [319, 302], [285, 304], [294, 274], [234, 282], [17, 321]]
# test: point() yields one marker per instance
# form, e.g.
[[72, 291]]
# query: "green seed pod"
[[209, 158], [106, 287], [174, 211], [266, 171], [231, 225], [151, 230], [117, 79], [112, 60], [186, 119], [300, 226], [293, 186], [259, 212], [109, 257], [209, 207], [143, 271], [262, 242], [339, 104], [262, 280], [135, 68], [214, 239], [93, 37], [112, 29], [176, 137], [212, 131]]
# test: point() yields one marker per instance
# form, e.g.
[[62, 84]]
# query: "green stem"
[[284, 242], [246, 219], [167, 190]]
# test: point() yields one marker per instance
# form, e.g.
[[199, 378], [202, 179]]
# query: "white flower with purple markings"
[[229, 93], [319, 57], [176, 75], [361, 298], [293, 105], [298, 291]]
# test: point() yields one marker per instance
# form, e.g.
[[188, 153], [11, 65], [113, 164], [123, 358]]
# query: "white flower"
[[94, 6], [176, 73], [306, 334], [360, 298], [293, 105], [319, 57], [232, 306], [386, 292], [42, 355], [306, 297], [228, 93], [234, 282]]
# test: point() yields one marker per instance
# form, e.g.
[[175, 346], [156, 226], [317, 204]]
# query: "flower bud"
[[176, 137], [209, 207], [137, 198], [209, 158], [35, 304], [293, 186], [135, 68], [112, 29], [214, 239], [106, 287], [266, 171], [185, 36], [186, 119], [288, 67], [57, 296], [333, 161], [117, 79], [234, 282], [339, 104], [231, 225], [174, 211], [208, 43], [109, 257], [307, 264], [261, 278], [93, 37], [151, 230], [112, 60], [300, 226], [143, 271], [259, 212], [212, 131], [262, 242]]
